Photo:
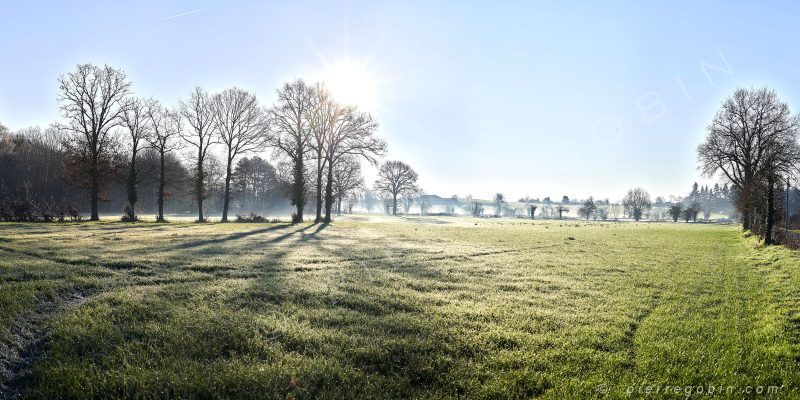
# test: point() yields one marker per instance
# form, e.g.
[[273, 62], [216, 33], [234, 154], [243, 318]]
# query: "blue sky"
[[524, 98]]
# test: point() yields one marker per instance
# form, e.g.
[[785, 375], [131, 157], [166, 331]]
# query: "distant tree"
[[409, 197], [242, 126], [474, 207], [499, 201], [602, 212], [588, 208], [675, 212], [370, 200], [694, 195], [255, 184], [509, 211], [91, 100], [691, 211], [565, 200], [214, 181], [425, 203], [694, 208], [199, 113], [347, 180], [560, 209], [532, 212], [289, 118], [166, 126], [386, 200], [615, 210], [394, 178], [636, 202], [134, 117], [656, 214]]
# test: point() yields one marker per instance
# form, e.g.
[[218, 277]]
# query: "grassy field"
[[396, 308]]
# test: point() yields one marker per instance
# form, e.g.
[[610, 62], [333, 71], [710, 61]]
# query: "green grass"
[[396, 308]]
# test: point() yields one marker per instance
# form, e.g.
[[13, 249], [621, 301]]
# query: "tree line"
[[206, 146]]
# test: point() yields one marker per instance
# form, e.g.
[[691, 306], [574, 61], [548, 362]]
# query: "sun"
[[351, 83]]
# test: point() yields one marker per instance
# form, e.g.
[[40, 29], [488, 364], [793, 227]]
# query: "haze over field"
[[527, 98]]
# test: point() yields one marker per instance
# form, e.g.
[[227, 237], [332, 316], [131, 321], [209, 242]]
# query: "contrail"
[[181, 14]]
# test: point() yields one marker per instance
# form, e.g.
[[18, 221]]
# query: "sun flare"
[[351, 82]]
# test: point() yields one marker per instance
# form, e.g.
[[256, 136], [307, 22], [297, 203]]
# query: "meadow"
[[379, 307]]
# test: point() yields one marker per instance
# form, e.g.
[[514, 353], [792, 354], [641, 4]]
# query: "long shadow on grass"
[[234, 236], [375, 324]]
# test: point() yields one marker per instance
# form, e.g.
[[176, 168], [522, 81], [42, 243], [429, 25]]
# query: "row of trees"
[[33, 172], [318, 141]]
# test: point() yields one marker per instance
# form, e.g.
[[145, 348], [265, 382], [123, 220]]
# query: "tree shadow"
[[235, 236], [313, 235]]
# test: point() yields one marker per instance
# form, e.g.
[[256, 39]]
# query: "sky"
[[525, 98]]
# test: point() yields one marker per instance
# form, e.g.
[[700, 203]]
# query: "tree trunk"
[[339, 206], [746, 218], [770, 209], [298, 189], [95, 191], [199, 186], [394, 203], [319, 189], [227, 200], [161, 183], [133, 196], [329, 193]]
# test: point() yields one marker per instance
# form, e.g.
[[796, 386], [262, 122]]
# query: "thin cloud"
[[181, 14]]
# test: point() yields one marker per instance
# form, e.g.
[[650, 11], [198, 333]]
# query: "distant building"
[[434, 200]]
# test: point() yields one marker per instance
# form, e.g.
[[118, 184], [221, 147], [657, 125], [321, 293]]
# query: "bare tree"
[[165, 127], [561, 209], [347, 180], [499, 201], [199, 114], [91, 99], [675, 212], [751, 136], [395, 177], [352, 135], [636, 202], [588, 208], [425, 203], [324, 112], [291, 136], [135, 120], [242, 127], [409, 197]]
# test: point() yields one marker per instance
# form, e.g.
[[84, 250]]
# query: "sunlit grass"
[[399, 308]]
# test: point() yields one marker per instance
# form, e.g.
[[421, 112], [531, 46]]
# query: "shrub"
[[250, 218], [129, 215], [23, 209]]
